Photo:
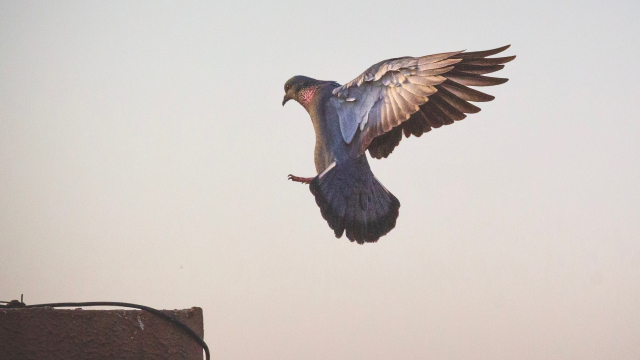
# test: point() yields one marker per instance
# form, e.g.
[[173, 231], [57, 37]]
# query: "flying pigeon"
[[406, 95]]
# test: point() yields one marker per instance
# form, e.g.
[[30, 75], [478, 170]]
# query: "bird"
[[405, 95]]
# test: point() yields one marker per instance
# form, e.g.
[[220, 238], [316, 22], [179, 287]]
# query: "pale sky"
[[144, 155]]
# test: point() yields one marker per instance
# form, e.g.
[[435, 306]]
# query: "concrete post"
[[47, 333]]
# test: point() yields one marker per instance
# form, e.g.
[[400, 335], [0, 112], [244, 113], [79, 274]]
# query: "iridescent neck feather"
[[306, 94]]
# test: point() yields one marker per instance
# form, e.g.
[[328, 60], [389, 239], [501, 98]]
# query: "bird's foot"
[[303, 180]]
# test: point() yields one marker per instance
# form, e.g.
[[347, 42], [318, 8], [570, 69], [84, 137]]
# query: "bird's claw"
[[299, 179]]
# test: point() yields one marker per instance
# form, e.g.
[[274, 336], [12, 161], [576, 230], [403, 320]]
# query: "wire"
[[193, 334]]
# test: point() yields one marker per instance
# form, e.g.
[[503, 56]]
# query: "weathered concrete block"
[[47, 333]]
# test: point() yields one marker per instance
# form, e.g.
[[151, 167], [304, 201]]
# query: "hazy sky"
[[144, 155]]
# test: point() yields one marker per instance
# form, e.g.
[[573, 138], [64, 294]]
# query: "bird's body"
[[402, 95], [329, 144]]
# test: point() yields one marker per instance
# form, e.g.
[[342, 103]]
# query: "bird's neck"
[[305, 95]]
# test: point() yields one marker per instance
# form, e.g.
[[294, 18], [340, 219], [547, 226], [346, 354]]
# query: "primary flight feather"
[[409, 95]]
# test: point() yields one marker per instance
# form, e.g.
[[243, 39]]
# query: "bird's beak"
[[286, 98]]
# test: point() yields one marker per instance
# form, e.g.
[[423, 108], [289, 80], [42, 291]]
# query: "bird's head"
[[295, 88]]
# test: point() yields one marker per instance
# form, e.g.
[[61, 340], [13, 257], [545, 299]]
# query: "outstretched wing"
[[413, 95]]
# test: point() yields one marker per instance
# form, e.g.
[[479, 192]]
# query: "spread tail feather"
[[351, 199]]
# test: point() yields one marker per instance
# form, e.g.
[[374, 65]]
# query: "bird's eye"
[[288, 86]]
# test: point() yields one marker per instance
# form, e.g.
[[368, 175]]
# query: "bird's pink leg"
[[303, 180]]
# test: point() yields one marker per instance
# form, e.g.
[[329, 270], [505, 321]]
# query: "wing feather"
[[477, 69], [438, 65], [450, 111], [433, 119], [412, 127], [412, 95], [457, 102], [417, 90], [429, 59], [395, 113], [405, 106], [490, 61], [426, 80], [432, 72], [475, 80], [387, 124], [481, 54], [414, 100], [466, 93]]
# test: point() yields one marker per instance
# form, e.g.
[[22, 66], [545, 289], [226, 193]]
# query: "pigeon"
[[406, 95]]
